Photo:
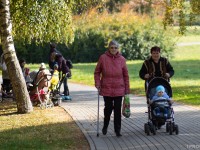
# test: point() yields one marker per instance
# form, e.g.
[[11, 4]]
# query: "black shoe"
[[118, 134], [104, 131]]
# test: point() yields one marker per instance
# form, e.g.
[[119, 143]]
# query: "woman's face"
[[155, 55], [53, 55], [113, 49]]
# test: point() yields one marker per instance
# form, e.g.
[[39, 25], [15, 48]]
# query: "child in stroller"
[[163, 107], [160, 110], [53, 89]]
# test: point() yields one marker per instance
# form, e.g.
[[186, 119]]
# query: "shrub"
[[136, 34]]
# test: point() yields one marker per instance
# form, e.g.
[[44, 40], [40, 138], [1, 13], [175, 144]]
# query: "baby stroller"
[[36, 90], [55, 94], [154, 122], [6, 90]]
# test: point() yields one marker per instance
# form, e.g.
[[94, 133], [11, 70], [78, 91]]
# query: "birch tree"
[[18, 83], [33, 20]]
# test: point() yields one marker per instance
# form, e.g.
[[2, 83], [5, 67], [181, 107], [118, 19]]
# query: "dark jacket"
[[156, 69], [61, 61]]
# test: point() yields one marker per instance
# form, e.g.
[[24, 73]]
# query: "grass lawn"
[[185, 83], [47, 129]]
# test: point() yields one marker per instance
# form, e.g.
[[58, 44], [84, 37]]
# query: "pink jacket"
[[111, 74]]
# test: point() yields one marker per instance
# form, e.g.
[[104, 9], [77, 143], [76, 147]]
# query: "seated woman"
[[41, 81], [25, 70], [6, 85], [161, 95]]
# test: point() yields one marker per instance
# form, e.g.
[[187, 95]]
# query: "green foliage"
[[37, 53], [87, 46], [195, 5], [42, 20], [187, 13], [93, 32], [136, 36]]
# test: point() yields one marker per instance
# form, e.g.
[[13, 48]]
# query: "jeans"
[[66, 89]]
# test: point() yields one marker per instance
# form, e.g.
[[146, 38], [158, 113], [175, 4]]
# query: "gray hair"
[[113, 42]]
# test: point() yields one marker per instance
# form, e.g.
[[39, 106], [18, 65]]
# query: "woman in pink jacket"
[[112, 81]]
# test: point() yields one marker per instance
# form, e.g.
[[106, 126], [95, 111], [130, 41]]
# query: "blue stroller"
[[154, 122]]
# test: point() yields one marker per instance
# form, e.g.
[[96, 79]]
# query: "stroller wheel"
[[176, 129], [145, 127], [167, 127], [153, 130], [148, 129], [171, 128]]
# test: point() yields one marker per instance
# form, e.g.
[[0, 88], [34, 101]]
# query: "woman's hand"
[[147, 76], [167, 75], [98, 87]]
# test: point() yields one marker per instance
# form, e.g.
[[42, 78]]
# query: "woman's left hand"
[[167, 75]]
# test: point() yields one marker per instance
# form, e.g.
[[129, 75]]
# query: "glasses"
[[113, 47]]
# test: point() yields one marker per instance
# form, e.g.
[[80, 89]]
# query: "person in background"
[[112, 81], [6, 80], [25, 70], [63, 69], [156, 66], [42, 79], [55, 78]]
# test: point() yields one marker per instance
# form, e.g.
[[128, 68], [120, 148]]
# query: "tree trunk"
[[14, 70]]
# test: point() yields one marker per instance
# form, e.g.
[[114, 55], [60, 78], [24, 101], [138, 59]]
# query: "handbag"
[[126, 106]]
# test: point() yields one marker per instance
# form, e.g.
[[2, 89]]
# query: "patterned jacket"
[[156, 69]]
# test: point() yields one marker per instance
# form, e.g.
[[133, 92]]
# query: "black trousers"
[[113, 103]]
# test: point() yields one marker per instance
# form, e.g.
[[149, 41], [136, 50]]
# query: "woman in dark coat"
[[56, 57], [156, 66]]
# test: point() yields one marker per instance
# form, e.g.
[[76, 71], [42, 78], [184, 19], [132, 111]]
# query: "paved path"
[[83, 109]]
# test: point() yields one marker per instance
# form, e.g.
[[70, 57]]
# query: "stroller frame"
[[4, 92], [55, 95], [153, 122]]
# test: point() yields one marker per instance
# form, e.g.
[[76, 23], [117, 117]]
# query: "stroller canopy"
[[151, 88]]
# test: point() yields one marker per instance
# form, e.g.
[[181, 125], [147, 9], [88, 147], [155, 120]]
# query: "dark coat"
[[61, 61], [156, 69]]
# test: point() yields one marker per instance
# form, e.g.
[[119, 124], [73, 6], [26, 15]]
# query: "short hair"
[[113, 42], [22, 61], [52, 45], [155, 49]]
